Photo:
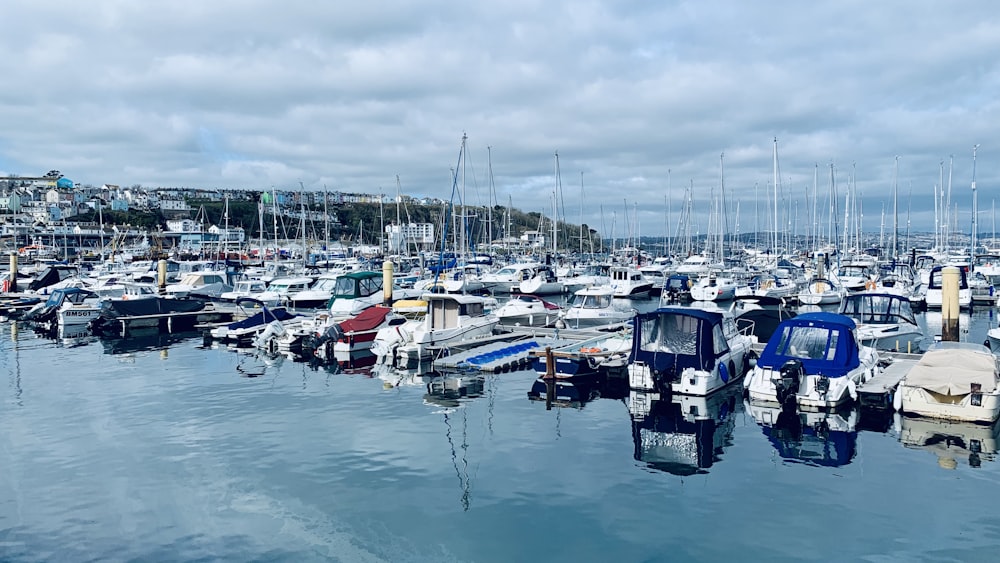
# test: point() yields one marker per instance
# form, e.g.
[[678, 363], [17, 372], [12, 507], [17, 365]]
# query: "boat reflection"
[[951, 442], [823, 439], [146, 340], [683, 434], [566, 393], [449, 390]]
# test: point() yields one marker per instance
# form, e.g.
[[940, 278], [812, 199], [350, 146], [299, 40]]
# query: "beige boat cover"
[[952, 371]]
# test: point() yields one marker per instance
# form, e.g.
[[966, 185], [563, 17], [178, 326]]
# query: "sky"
[[644, 102]]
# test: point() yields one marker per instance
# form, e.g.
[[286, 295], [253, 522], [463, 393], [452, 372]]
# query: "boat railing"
[[746, 326]]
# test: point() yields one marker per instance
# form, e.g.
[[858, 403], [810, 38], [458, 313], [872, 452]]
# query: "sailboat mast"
[[975, 208], [581, 212], [775, 172], [895, 209]]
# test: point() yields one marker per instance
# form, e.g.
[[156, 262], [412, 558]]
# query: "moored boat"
[[952, 381], [815, 361], [687, 351]]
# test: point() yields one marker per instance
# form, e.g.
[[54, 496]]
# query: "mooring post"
[[161, 276], [13, 272], [387, 267], [949, 303], [550, 378]]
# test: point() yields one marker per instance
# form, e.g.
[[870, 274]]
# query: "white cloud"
[[348, 95]]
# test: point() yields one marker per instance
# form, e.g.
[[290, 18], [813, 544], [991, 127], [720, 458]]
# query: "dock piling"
[[13, 272], [161, 276], [949, 303]]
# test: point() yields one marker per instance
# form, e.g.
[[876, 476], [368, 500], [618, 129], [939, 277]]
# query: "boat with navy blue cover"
[[815, 361], [688, 351]]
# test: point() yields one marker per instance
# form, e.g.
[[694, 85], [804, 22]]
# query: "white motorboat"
[[933, 295], [543, 282], [713, 288], [528, 310], [450, 319], [316, 295], [885, 321], [953, 381], [857, 276], [814, 360], [594, 307], [687, 351], [244, 288], [281, 290], [770, 285], [198, 282], [629, 282], [356, 291], [509, 277], [822, 291]]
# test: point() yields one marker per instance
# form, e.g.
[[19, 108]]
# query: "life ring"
[[869, 284]]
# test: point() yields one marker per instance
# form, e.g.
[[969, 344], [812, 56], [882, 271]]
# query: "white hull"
[[760, 385], [918, 401]]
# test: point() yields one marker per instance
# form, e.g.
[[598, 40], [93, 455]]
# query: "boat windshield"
[[808, 342], [673, 334], [878, 309], [601, 301]]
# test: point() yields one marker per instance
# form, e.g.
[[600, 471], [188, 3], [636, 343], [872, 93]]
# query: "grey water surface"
[[162, 449]]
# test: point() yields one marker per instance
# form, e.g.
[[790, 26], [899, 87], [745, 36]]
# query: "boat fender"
[[897, 400], [852, 389], [723, 372], [591, 350]]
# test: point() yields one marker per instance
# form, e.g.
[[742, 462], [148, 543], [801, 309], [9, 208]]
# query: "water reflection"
[[825, 439], [146, 340], [682, 435], [566, 393], [951, 442]]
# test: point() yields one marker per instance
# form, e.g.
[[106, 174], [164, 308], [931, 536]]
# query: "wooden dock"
[[877, 392]]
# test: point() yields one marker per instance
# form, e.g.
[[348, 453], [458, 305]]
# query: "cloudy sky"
[[635, 97]]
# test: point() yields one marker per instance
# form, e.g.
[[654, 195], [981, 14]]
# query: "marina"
[[220, 451]]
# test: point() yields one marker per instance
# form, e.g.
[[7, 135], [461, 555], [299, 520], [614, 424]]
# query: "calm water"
[[160, 449]]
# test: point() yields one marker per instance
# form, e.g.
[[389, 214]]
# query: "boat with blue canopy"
[[815, 360], [688, 351]]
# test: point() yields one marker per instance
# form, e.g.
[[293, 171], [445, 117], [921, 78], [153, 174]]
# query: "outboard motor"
[[787, 384]]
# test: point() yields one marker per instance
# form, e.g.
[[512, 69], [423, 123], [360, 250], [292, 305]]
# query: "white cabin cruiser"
[[885, 321], [814, 360], [528, 310], [594, 307], [687, 351], [509, 277], [953, 381], [933, 295], [822, 291], [451, 319], [629, 282], [714, 288]]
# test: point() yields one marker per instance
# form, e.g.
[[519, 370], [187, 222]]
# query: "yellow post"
[[949, 303], [387, 282], [161, 276]]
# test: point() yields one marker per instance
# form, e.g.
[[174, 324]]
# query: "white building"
[[402, 238]]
